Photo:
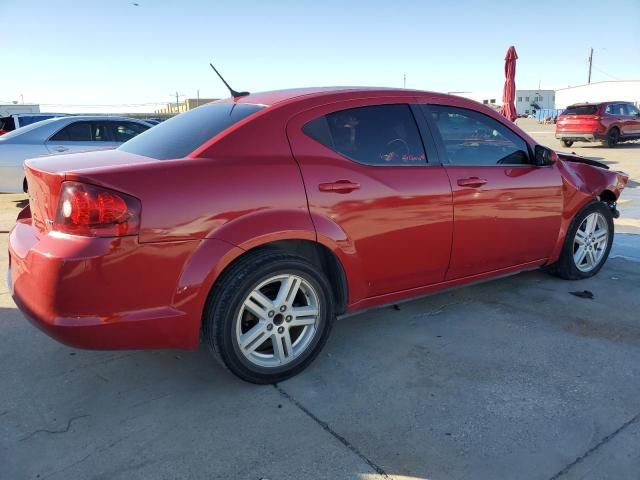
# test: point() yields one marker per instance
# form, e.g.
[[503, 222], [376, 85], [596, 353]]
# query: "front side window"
[[631, 110], [472, 138], [124, 131], [375, 135]]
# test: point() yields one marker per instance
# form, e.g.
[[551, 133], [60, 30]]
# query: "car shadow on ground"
[[21, 203]]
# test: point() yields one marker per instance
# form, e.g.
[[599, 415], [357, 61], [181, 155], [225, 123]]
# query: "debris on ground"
[[583, 294]]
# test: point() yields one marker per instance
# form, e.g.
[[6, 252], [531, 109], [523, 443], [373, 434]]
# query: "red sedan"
[[252, 222]]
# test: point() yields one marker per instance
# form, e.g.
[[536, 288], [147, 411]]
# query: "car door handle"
[[472, 182], [60, 149], [340, 186]]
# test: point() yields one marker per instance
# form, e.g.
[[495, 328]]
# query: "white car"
[[60, 135]]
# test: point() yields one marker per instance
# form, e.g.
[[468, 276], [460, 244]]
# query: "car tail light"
[[89, 210]]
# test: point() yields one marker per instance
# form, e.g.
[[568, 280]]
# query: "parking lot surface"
[[512, 378]]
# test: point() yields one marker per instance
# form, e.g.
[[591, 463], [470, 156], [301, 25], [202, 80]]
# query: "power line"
[[605, 73], [103, 104]]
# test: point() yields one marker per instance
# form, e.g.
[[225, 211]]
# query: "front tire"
[[587, 243], [269, 316]]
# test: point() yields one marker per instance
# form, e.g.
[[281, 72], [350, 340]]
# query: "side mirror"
[[544, 156]]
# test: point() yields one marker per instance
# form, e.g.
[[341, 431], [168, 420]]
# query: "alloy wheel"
[[277, 320], [590, 242]]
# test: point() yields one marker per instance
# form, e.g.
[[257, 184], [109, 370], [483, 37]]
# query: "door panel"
[[506, 211], [511, 219], [633, 116], [397, 222]]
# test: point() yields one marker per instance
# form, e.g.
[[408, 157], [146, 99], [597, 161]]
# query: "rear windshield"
[[182, 134], [29, 119], [581, 110]]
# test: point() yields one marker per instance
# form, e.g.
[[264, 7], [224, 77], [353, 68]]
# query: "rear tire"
[[567, 143], [613, 137], [268, 316], [587, 243]]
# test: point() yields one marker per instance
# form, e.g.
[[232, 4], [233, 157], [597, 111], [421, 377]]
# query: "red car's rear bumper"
[[105, 293]]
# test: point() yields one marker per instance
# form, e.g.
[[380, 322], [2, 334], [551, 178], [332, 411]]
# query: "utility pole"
[[198, 97], [590, 64], [178, 95], [404, 81]]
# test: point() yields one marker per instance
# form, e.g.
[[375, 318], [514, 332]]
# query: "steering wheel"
[[399, 141]]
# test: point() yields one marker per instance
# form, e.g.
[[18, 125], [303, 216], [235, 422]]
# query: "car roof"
[[40, 114], [588, 104], [277, 97]]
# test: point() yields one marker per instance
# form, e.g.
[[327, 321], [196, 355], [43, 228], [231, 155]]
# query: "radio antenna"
[[234, 94]]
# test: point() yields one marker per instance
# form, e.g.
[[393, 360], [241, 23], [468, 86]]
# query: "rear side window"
[[375, 135], [77, 132], [581, 110], [472, 138], [616, 109], [182, 134]]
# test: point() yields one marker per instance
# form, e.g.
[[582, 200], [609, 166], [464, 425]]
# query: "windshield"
[[29, 119], [181, 135], [581, 110]]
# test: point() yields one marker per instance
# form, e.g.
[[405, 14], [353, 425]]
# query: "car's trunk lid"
[[45, 176]]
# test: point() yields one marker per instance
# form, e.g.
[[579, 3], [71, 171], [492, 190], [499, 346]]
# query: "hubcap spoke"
[[258, 304], [581, 237], [286, 338], [288, 290], [278, 349], [600, 235], [591, 224], [578, 257], [255, 337]]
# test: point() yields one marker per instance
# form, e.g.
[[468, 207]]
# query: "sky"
[[116, 56]]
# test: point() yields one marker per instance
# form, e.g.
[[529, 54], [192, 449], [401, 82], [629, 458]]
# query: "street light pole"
[[590, 64]]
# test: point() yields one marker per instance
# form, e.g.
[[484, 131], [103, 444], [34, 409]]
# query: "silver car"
[[60, 135]]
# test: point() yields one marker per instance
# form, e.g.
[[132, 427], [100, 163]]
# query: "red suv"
[[609, 122], [252, 222]]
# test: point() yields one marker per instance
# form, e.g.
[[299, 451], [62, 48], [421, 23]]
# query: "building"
[[188, 104], [527, 101], [15, 107], [622, 90]]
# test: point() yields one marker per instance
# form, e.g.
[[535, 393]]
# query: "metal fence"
[[548, 114]]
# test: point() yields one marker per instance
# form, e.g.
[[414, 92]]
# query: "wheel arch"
[[316, 253]]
